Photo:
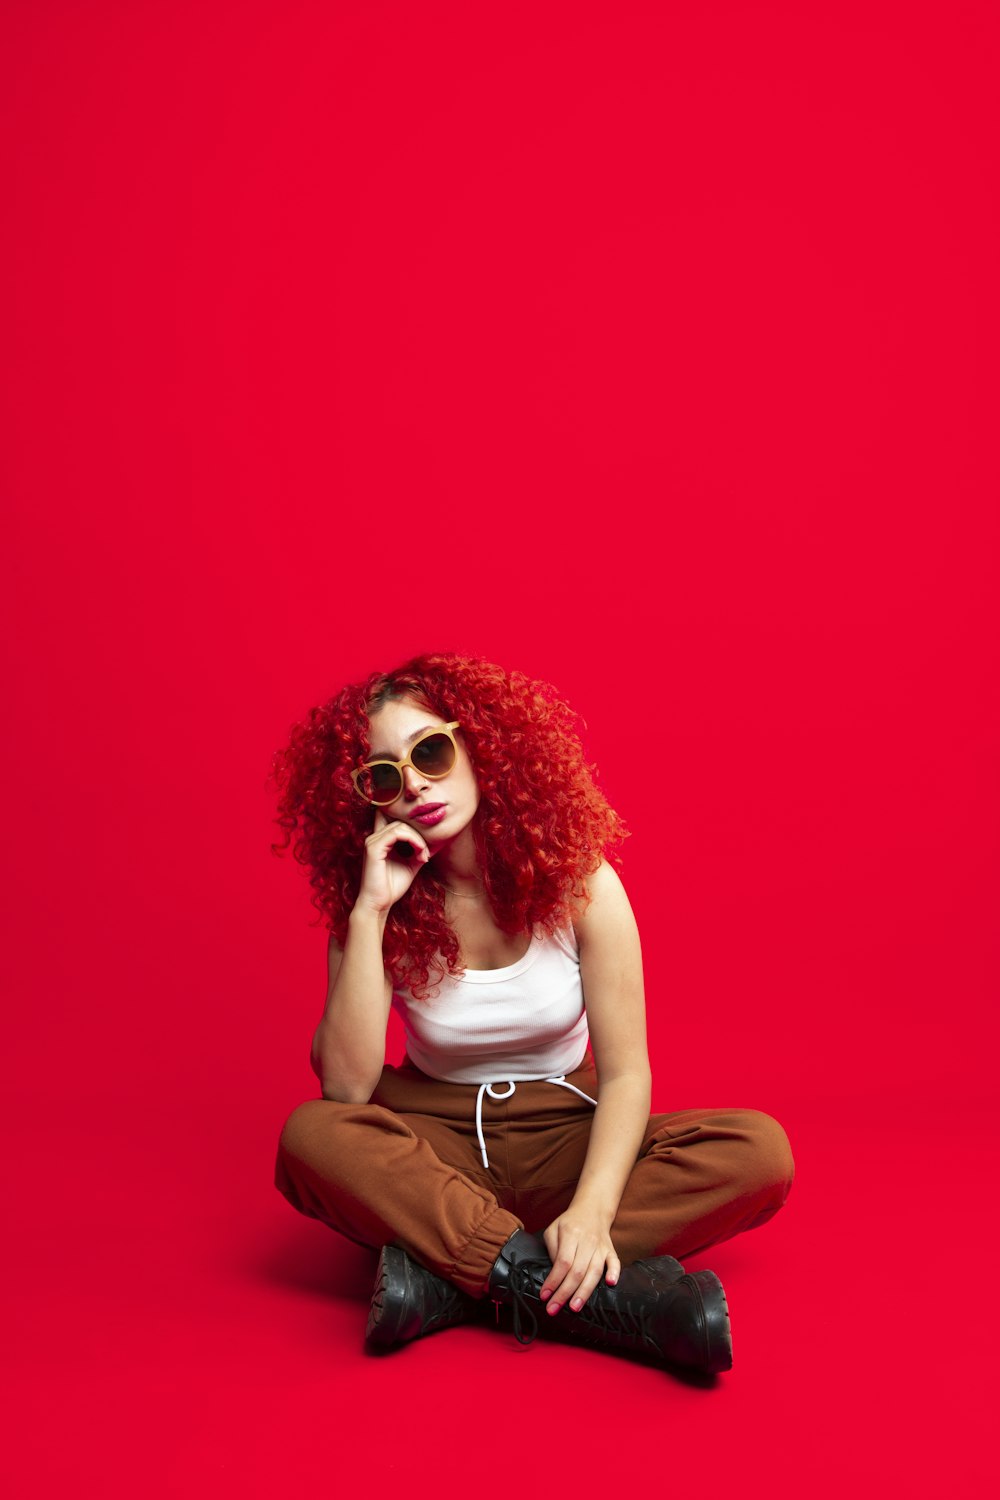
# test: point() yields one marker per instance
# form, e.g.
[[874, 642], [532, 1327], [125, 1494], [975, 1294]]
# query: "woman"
[[457, 843]]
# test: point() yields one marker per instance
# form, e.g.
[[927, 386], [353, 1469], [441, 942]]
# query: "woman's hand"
[[385, 878], [580, 1248]]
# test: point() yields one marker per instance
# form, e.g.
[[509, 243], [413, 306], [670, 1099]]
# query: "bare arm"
[[348, 1048], [611, 968]]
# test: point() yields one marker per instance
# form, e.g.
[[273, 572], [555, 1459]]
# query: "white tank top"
[[525, 1021]]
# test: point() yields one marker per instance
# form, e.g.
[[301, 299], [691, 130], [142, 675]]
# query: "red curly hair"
[[542, 825]]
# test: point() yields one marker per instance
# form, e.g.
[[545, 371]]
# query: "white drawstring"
[[562, 1080], [487, 1088]]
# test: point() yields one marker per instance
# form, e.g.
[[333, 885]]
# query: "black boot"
[[655, 1308], [408, 1300]]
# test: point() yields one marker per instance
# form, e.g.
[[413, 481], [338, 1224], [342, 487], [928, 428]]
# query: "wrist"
[[595, 1204], [367, 919]]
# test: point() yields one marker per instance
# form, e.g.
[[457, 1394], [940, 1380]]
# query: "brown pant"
[[406, 1169]]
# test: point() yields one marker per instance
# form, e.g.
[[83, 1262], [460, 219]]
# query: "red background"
[[647, 348]]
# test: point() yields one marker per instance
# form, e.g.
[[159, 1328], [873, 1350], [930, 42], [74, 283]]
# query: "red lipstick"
[[429, 814]]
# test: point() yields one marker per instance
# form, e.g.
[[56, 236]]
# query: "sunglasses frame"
[[400, 765]]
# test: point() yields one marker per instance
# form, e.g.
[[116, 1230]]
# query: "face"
[[441, 808]]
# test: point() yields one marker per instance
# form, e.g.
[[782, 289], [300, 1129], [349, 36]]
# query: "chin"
[[451, 825]]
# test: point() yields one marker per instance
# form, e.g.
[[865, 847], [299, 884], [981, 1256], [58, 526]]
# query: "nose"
[[413, 782]]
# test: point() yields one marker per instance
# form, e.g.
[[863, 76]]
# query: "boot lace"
[[521, 1284], [623, 1318], [446, 1301]]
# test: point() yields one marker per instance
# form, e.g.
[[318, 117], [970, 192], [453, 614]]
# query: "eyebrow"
[[384, 754]]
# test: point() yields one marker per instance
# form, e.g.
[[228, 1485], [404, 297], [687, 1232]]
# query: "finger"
[[384, 839], [406, 835], [614, 1269], [551, 1281], [562, 1264], [552, 1245], [589, 1282], [567, 1287]]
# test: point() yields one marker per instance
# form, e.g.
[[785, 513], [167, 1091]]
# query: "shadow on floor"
[[311, 1258]]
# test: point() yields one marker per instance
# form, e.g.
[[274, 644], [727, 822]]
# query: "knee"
[[304, 1126], [768, 1162], [328, 1131]]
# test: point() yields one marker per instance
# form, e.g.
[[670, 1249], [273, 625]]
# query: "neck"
[[454, 865]]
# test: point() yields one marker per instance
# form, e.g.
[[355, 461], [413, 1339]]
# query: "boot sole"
[[388, 1297], [718, 1330]]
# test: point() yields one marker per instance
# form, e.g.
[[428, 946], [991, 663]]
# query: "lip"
[[429, 814]]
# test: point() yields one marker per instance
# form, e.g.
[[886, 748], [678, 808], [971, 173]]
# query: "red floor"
[[196, 1336]]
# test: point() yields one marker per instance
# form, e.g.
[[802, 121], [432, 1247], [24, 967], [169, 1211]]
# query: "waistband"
[[487, 1088], [406, 1090]]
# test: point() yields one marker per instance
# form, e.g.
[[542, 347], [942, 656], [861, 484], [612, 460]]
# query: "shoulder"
[[608, 907]]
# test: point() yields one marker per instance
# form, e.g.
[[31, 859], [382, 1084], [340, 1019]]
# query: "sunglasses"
[[433, 755]]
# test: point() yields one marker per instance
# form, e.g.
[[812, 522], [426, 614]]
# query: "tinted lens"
[[380, 783], [434, 755]]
